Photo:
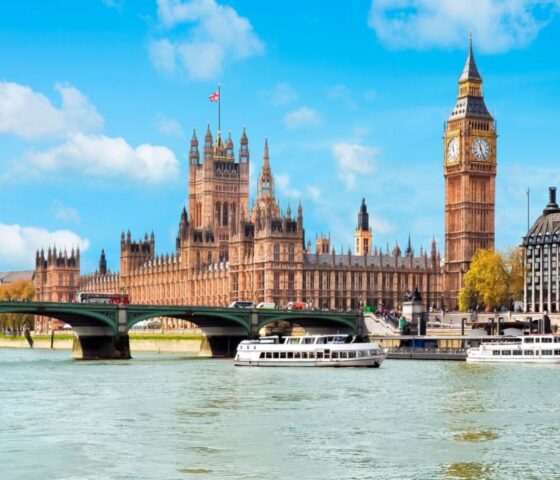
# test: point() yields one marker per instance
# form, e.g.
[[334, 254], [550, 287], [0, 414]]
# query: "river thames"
[[173, 417]]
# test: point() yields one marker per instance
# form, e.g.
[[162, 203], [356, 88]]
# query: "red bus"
[[92, 297]]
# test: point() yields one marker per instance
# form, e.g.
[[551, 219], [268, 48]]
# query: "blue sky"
[[98, 99]]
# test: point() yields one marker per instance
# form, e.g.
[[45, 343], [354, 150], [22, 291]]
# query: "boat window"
[[308, 340], [297, 355], [293, 341], [343, 354], [261, 355], [352, 354], [506, 352], [319, 354], [556, 352], [360, 353], [373, 352], [528, 352], [556, 339], [268, 354], [546, 352], [290, 354], [303, 354], [537, 340], [334, 355], [276, 355], [312, 355], [517, 352], [496, 352], [282, 354], [528, 340], [321, 340], [546, 340]]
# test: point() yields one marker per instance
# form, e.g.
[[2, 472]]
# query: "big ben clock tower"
[[469, 171]]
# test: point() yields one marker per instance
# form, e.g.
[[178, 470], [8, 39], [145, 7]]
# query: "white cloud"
[[162, 54], [302, 117], [169, 126], [283, 182], [497, 25], [216, 34], [354, 159], [19, 244], [102, 156], [314, 193], [282, 94], [31, 115], [64, 213], [381, 225]]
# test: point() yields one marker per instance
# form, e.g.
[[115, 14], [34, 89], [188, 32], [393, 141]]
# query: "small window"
[[319, 354], [556, 352], [297, 355], [290, 354], [496, 353], [312, 355], [262, 355], [528, 352], [276, 355], [537, 340], [547, 340], [352, 354], [506, 352], [303, 354], [282, 354], [546, 352], [334, 355], [528, 340], [268, 354], [343, 354], [517, 352]]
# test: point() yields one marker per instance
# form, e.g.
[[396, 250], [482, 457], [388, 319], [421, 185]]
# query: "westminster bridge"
[[102, 329]]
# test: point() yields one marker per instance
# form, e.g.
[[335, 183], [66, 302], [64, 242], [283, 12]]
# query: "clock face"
[[481, 149], [453, 150]]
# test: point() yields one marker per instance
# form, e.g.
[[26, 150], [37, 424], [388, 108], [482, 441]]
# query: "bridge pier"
[[101, 347], [220, 345]]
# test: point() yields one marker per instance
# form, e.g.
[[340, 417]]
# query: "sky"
[[99, 98]]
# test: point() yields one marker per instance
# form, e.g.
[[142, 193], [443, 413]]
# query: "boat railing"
[[423, 350]]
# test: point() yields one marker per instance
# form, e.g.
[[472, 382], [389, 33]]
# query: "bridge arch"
[[311, 319], [204, 319], [76, 317]]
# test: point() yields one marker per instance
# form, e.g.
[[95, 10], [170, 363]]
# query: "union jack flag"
[[215, 97]]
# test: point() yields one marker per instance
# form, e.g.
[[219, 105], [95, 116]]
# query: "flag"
[[215, 97]]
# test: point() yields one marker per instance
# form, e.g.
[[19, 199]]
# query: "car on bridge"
[[241, 304]]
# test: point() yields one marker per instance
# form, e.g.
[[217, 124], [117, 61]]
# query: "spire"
[[552, 206], [470, 72], [102, 263], [208, 144], [409, 252], [229, 147], [363, 217], [266, 182]]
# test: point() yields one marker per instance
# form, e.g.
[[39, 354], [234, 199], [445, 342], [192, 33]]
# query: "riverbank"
[[152, 342]]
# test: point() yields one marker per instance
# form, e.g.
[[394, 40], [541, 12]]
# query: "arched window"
[[276, 252], [290, 253], [218, 213], [225, 214]]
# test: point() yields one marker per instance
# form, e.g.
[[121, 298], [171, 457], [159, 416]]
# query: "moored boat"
[[308, 351], [518, 349]]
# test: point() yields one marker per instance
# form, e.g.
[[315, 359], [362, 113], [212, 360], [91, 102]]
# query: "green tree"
[[22, 290], [486, 282]]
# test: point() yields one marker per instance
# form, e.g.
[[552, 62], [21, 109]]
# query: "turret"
[[194, 155], [244, 148], [208, 145]]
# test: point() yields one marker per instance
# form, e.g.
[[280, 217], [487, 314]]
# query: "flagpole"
[[219, 107]]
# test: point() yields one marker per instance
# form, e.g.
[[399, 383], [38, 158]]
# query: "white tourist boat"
[[518, 349], [308, 351]]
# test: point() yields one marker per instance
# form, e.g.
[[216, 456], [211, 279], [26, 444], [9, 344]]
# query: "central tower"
[[469, 171]]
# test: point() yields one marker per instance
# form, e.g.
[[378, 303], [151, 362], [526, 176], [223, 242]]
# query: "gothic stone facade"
[[225, 252]]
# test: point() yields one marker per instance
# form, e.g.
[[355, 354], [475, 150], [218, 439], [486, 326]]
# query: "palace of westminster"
[[226, 251]]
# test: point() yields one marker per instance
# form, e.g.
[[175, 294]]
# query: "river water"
[[173, 417]]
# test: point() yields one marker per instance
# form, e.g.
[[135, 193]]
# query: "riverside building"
[[541, 244]]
